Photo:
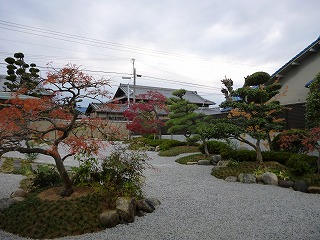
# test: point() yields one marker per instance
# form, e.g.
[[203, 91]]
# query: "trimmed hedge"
[[165, 144], [216, 147]]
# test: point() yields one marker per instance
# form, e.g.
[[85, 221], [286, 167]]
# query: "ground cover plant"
[[234, 169], [175, 151], [36, 218], [192, 158], [97, 185]]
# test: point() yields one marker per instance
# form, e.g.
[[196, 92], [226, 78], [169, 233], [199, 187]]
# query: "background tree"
[[144, 116], [255, 112], [53, 119], [22, 76], [182, 116], [313, 104]]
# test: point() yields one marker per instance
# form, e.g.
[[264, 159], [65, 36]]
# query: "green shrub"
[[46, 176], [122, 172], [300, 164], [296, 137], [216, 147], [244, 155], [280, 157]]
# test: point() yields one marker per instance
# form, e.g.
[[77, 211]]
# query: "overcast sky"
[[175, 43]]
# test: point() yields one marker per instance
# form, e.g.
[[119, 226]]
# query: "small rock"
[[18, 199], [314, 189], [203, 162], [192, 163], [139, 213], [247, 178], [231, 179], [145, 206], [5, 203], [126, 208], [154, 201], [157, 149], [285, 183], [19, 193], [109, 218], [269, 178], [216, 159], [300, 186]]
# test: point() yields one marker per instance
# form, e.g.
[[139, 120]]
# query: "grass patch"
[[246, 167], [175, 151], [192, 158], [8, 165], [35, 218]]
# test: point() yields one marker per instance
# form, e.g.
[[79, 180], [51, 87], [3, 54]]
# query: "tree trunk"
[[319, 161], [258, 151], [206, 151], [68, 189]]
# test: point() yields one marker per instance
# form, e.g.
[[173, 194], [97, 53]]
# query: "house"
[[115, 108], [295, 76]]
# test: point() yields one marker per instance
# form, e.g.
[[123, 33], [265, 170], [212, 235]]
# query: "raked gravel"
[[196, 205]]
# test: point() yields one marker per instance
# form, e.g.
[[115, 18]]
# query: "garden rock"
[[231, 179], [109, 218], [216, 159], [247, 178], [269, 178], [192, 163], [18, 199], [314, 189], [154, 201], [145, 206], [285, 183], [19, 193], [5, 203], [126, 208], [157, 149], [203, 162], [300, 186]]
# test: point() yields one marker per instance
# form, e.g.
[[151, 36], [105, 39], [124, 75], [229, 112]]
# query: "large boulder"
[[300, 186], [269, 178], [109, 218], [126, 208], [5, 203], [247, 178]]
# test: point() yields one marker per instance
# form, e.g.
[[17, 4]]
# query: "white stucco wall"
[[293, 83]]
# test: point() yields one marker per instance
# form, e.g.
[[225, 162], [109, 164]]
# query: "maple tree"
[[252, 110], [144, 116], [52, 120]]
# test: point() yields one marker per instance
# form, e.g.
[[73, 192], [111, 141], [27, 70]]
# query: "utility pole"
[[134, 81]]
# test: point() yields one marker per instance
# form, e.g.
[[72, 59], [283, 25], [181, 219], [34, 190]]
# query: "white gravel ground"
[[196, 205]]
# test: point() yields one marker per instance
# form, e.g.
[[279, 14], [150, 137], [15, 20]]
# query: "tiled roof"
[[112, 108], [313, 47], [191, 96], [10, 95]]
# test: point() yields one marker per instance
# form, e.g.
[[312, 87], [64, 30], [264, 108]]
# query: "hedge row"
[[298, 163], [164, 144]]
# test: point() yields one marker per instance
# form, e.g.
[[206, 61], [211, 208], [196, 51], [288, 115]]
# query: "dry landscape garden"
[[106, 186]]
